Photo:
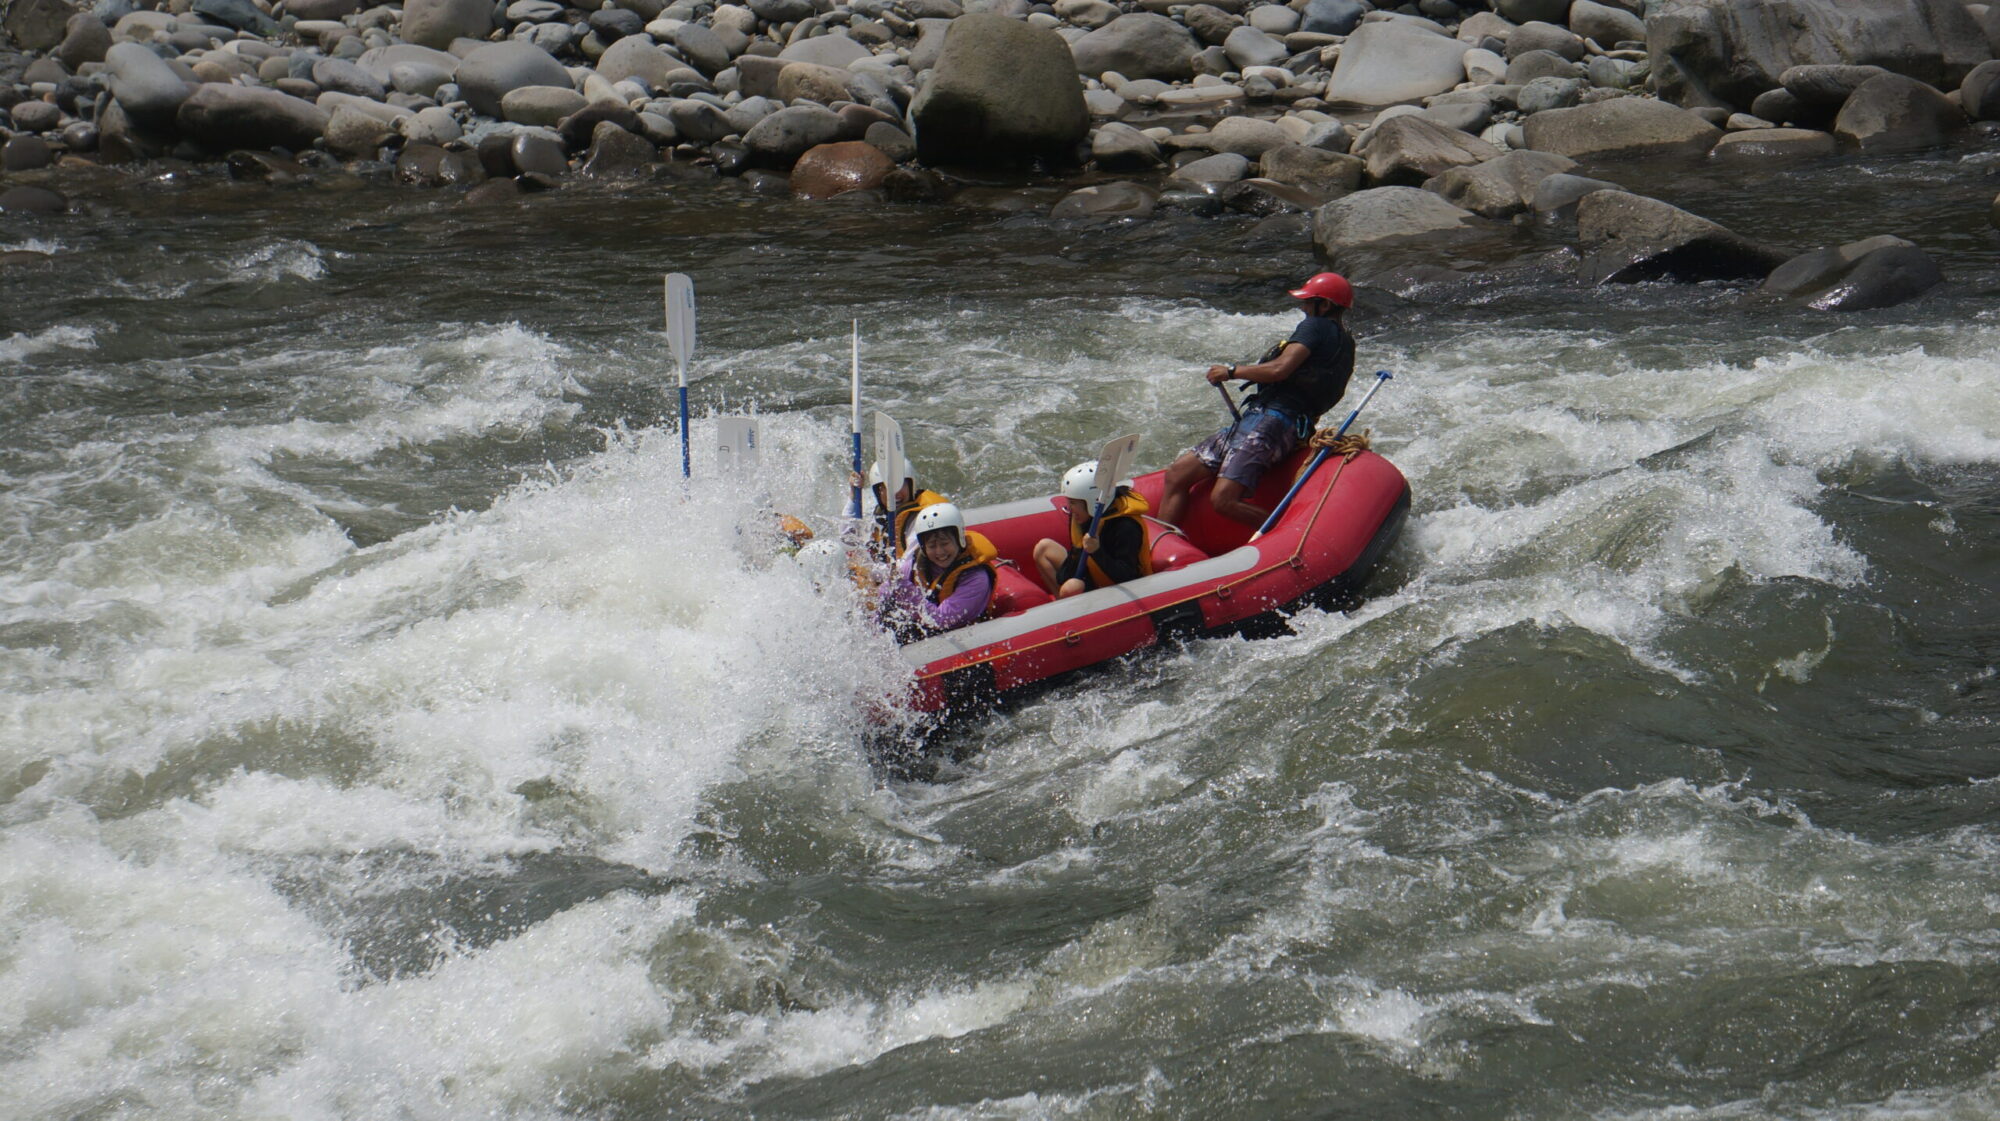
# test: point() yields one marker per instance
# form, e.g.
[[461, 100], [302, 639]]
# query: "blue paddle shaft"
[[1286, 502], [685, 470], [855, 510]]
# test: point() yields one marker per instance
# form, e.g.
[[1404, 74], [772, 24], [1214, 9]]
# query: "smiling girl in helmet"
[[1118, 552], [1303, 379], [945, 582]]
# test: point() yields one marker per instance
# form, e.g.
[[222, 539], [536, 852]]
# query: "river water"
[[389, 733]]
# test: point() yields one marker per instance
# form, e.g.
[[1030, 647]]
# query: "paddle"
[[1112, 460], [1283, 503], [680, 339], [739, 443], [889, 454], [854, 420], [1235, 414]]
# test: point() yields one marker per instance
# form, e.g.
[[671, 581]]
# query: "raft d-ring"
[[1298, 563], [1071, 638], [1225, 591]]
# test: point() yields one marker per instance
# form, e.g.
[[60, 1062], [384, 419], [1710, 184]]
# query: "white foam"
[[20, 347]]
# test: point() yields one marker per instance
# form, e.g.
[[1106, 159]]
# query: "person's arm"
[[1277, 369], [966, 603]]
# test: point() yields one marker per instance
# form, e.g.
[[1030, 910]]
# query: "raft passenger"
[[892, 516], [1300, 379], [1118, 552], [946, 582]]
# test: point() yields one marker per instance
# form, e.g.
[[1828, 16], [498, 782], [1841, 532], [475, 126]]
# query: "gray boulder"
[[1604, 24], [437, 23], [1773, 144], [1137, 45], [37, 25], [615, 152], [1410, 149], [826, 50], [1332, 17], [780, 139], [545, 106], [1729, 51], [1326, 174], [355, 134], [241, 15], [1392, 62], [781, 11], [1544, 94], [148, 90], [700, 122], [1537, 36], [1873, 273], [1500, 187], [342, 76], [1247, 47], [1107, 201], [1892, 113], [1120, 147], [85, 39], [1541, 64], [1821, 86], [1528, 11], [1620, 128], [1557, 196], [637, 56], [1979, 94], [1248, 137], [1626, 238], [1004, 93], [488, 73], [224, 116], [1384, 215], [702, 47], [1223, 167]]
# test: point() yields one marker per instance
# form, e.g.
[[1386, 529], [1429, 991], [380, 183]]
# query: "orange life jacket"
[[978, 553]]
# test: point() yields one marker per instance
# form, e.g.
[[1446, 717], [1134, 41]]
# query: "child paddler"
[[946, 582], [1118, 552]]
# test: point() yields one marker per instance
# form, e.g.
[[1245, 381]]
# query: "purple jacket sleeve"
[[966, 603]]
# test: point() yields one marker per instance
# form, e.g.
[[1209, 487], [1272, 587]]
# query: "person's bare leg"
[[1048, 558], [1227, 497], [1182, 476]]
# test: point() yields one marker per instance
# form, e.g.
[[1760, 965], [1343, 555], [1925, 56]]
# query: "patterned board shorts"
[[1260, 440]]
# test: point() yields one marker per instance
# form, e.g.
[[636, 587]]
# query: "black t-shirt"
[[1317, 385]]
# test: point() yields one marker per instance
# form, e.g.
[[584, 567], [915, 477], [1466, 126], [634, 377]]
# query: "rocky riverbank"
[[1443, 135]]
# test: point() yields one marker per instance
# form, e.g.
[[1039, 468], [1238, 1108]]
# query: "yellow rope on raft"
[[1347, 447]]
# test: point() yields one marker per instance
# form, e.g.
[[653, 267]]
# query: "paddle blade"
[[739, 444], [680, 320], [889, 453], [1114, 462]]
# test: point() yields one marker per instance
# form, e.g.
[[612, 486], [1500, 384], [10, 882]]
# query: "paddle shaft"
[[686, 461], [1286, 502], [1083, 558], [854, 426], [1235, 414]]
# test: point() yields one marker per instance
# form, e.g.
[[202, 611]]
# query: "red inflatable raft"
[[1208, 579]]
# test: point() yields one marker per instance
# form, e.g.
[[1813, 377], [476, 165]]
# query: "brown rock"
[[812, 82], [615, 152], [833, 169]]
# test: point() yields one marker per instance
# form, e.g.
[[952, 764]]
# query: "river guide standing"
[[1298, 380]]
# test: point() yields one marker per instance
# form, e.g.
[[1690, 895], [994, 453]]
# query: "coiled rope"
[[1346, 447]]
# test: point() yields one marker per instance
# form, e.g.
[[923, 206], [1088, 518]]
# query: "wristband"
[[1232, 369]]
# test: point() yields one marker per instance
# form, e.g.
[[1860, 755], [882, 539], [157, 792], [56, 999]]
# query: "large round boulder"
[[1773, 144], [1891, 113], [835, 169], [1732, 50], [1979, 94], [780, 139], [490, 72], [1500, 187], [1385, 214], [637, 56], [1004, 92], [1604, 24], [148, 90], [1107, 201], [224, 116], [437, 23], [1619, 128], [1137, 45], [85, 39], [1627, 237], [1410, 149], [1395, 61]]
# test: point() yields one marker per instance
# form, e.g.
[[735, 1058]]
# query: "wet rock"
[[916, 184], [426, 165], [85, 39], [33, 200], [1107, 201], [1557, 196], [540, 105], [1411, 149], [1225, 167], [1604, 24], [1626, 238], [1826, 86], [1812, 272], [438, 23], [1773, 144], [892, 141], [24, 153], [1891, 113], [1622, 128], [434, 125], [223, 117], [1979, 94], [494, 192], [148, 90], [354, 134], [1137, 45], [490, 72], [1245, 136], [615, 152], [1332, 17], [1385, 216], [578, 129], [809, 81], [700, 122], [835, 169], [781, 138], [1393, 62], [1267, 197], [1882, 278], [1119, 147], [1326, 174], [1703, 51], [37, 25], [1500, 187], [1003, 93], [1782, 107], [539, 153]]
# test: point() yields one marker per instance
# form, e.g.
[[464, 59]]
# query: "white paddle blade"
[[889, 453], [1114, 462], [680, 320], [739, 444]]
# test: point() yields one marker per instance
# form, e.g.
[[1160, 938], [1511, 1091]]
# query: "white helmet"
[[821, 559], [1080, 482], [939, 515], [875, 474]]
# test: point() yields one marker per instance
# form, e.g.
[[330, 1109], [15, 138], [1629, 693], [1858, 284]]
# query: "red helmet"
[[1326, 286]]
